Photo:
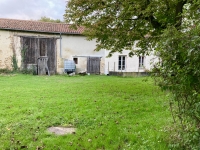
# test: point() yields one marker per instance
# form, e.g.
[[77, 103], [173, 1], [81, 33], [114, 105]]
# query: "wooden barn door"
[[51, 54], [93, 65], [29, 51], [34, 48]]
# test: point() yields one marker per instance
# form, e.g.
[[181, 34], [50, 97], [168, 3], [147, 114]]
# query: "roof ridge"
[[38, 26], [33, 21]]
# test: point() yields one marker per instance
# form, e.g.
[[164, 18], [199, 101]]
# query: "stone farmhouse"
[[31, 42]]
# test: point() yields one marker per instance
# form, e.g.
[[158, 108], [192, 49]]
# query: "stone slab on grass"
[[61, 130]]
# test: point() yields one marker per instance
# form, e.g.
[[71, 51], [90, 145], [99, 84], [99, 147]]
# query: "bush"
[[5, 71], [180, 74]]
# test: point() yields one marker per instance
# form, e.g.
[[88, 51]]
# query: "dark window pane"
[[141, 61], [121, 64], [75, 60]]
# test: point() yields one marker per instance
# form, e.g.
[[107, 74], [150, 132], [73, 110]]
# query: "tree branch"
[[178, 13]]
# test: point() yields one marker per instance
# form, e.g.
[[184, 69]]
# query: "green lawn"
[[109, 113]]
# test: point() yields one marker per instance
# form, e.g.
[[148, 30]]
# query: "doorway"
[[33, 48], [93, 65]]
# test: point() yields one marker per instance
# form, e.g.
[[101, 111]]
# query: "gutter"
[[70, 33]]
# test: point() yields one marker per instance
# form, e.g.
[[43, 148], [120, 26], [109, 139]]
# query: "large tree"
[[170, 29], [116, 24]]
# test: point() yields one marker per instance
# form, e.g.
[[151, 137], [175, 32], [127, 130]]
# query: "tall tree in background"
[[170, 29], [46, 19]]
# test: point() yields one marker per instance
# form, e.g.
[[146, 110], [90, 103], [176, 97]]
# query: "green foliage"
[[5, 71], [116, 25], [168, 27], [107, 112], [27, 71], [14, 63], [46, 19], [180, 72]]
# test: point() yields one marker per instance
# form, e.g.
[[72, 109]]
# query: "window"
[[141, 61], [121, 64], [75, 60]]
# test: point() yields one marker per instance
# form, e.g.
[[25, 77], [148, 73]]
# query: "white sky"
[[32, 9]]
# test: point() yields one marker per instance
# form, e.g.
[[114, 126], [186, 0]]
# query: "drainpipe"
[[60, 45]]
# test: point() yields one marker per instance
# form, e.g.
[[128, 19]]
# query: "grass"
[[109, 113]]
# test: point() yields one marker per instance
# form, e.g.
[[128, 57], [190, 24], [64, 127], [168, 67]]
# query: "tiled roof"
[[37, 26]]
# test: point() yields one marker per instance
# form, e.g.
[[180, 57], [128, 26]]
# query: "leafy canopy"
[[117, 24]]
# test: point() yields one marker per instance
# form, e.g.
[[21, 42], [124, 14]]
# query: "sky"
[[32, 9]]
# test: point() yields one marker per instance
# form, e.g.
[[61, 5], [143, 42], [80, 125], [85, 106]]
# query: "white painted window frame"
[[121, 66], [141, 61]]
